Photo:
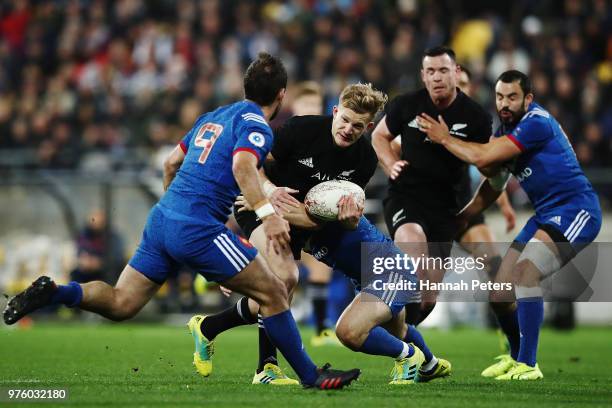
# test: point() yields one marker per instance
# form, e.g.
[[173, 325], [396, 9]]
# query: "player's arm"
[[291, 209], [503, 202], [244, 167], [488, 192], [382, 140], [172, 164], [484, 156]]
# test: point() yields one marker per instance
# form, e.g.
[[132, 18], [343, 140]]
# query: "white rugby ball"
[[322, 200]]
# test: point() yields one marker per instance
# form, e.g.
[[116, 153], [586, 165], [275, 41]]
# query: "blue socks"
[[509, 323], [283, 332], [69, 295], [381, 343], [413, 336], [530, 317]]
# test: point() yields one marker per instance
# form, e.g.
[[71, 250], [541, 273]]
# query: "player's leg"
[[269, 291], [284, 266], [479, 241], [235, 263], [123, 301], [411, 239], [132, 291], [540, 257], [138, 282], [246, 311], [503, 302], [359, 328], [319, 276], [543, 255]]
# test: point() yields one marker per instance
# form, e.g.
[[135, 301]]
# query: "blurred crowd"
[[82, 82]]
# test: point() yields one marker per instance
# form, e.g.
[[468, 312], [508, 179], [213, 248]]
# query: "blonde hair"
[[363, 98], [307, 88]]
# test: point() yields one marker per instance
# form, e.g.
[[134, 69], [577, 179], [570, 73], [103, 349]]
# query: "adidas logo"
[[306, 162], [413, 124], [556, 220]]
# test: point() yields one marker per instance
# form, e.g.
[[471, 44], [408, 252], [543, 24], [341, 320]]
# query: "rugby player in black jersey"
[[426, 183], [308, 150]]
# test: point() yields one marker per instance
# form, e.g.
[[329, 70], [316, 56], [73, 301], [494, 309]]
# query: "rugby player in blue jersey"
[[306, 151], [217, 159], [531, 145]]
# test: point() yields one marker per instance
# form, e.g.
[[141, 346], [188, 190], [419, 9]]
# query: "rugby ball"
[[322, 200]]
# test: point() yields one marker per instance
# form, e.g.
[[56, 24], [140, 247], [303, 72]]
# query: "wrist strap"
[[263, 209]]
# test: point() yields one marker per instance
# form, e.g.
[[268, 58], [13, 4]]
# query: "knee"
[[501, 299], [124, 308], [410, 233], [348, 336], [276, 294], [291, 280]]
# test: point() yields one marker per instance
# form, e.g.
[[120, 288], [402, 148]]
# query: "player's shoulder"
[[366, 151], [536, 113], [307, 127], [249, 112], [310, 121], [536, 117]]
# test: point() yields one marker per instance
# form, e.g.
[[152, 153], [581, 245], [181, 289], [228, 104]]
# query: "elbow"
[[170, 166], [483, 163]]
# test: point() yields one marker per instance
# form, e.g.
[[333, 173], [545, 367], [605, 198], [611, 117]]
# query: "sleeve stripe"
[[516, 142], [183, 147], [246, 149], [255, 117]]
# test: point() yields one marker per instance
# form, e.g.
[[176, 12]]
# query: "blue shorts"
[[565, 224], [341, 249], [171, 240]]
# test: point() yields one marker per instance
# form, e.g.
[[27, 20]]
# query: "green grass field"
[[150, 365]]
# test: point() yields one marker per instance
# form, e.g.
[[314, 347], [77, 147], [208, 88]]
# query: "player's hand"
[[276, 229], [349, 212], [436, 131], [510, 216], [226, 292], [282, 200], [242, 203], [397, 168]]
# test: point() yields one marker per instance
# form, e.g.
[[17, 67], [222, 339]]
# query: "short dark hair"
[[264, 78], [440, 50], [513, 76]]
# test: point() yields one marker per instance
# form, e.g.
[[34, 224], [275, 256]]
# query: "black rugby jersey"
[[434, 176], [305, 155]]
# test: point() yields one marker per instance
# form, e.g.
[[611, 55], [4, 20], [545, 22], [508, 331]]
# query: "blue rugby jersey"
[[547, 168], [204, 187]]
